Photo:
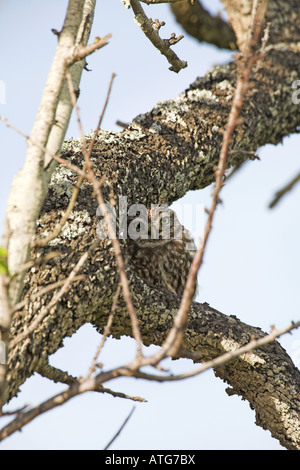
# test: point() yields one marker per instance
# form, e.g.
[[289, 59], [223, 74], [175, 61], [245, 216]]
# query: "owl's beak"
[[154, 234]]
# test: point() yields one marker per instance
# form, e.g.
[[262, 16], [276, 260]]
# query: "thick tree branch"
[[200, 24]]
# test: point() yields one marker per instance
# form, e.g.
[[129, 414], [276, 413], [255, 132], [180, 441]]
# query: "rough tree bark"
[[163, 154]]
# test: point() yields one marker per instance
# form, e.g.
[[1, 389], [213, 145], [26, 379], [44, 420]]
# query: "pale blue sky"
[[251, 265]]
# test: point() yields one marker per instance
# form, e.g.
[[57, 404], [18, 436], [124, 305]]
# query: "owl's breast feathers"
[[164, 265]]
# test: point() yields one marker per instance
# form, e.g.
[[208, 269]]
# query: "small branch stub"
[[150, 28]]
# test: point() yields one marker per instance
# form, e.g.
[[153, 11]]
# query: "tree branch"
[[180, 137], [200, 24], [288, 187], [151, 31]]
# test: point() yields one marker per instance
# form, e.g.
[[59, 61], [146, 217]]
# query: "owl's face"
[[160, 249], [155, 227]]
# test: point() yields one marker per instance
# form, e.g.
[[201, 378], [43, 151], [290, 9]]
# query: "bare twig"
[[13, 412], [163, 45], [91, 384], [113, 76], [288, 187], [122, 124], [120, 429], [105, 332], [60, 376], [83, 51]]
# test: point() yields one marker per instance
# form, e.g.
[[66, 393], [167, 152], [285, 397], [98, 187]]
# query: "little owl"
[[160, 248]]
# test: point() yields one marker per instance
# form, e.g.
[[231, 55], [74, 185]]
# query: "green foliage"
[[3, 261]]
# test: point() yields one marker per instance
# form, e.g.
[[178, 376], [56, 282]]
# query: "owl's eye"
[[165, 220]]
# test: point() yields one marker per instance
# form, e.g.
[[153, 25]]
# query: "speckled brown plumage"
[[162, 255]]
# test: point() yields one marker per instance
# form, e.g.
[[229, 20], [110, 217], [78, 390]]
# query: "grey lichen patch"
[[108, 137], [202, 96], [225, 85], [139, 20], [72, 144], [60, 182], [155, 128], [278, 369], [172, 110], [75, 145], [216, 73], [134, 132], [140, 118]]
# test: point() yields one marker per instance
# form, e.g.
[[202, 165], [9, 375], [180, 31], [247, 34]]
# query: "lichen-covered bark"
[[162, 155], [281, 14]]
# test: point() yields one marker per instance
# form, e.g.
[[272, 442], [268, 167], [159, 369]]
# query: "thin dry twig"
[[105, 332], [122, 124], [91, 384], [82, 52], [13, 412], [119, 430], [288, 187], [60, 376]]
